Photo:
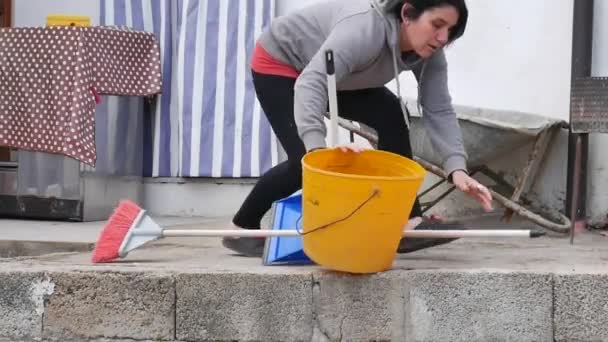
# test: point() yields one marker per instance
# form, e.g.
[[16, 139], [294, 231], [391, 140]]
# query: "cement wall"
[[396, 306], [195, 197]]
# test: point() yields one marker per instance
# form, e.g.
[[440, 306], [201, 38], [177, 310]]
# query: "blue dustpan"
[[287, 215]]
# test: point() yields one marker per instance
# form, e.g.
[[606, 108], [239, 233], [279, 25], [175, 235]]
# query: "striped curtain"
[[207, 122]]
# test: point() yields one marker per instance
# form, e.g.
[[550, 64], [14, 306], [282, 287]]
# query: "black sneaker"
[[408, 245], [246, 246]]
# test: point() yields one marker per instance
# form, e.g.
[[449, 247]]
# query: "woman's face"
[[429, 32]]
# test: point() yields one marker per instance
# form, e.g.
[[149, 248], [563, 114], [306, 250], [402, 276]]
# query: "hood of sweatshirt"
[[401, 61]]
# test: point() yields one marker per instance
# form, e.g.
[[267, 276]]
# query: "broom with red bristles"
[[130, 227], [114, 232]]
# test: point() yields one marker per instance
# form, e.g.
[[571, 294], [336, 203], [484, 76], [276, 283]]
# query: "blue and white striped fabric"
[[208, 122]]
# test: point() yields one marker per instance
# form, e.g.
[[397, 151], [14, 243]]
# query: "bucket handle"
[[375, 193]]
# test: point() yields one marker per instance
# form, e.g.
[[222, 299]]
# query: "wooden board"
[[5, 13]]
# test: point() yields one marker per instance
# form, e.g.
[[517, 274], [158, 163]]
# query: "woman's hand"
[[474, 189], [351, 148]]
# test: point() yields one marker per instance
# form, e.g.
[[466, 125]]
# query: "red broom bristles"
[[114, 232]]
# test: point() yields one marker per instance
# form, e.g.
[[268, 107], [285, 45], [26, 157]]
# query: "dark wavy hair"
[[419, 6]]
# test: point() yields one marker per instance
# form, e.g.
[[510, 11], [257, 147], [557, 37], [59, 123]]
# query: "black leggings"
[[376, 107]]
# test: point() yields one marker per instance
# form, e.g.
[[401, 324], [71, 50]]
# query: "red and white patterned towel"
[[49, 77]]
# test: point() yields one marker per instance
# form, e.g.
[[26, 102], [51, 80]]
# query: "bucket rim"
[[416, 165]]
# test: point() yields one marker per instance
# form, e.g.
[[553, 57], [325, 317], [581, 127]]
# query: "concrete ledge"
[[359, 308], [320, 306], [92, 305], [189, 199], [87, 340], [580, 308], [22, 298], [244, 307], [192, 289], [479, 306]]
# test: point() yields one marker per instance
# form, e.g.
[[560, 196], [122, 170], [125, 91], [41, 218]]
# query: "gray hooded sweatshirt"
[[365, 43]]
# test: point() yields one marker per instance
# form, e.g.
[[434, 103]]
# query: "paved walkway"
[[192, 289]]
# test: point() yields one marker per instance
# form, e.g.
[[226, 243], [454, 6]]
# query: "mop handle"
[[332, 95], [262, 233]]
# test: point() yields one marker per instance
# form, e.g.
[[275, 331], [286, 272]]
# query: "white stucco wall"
[[34, 12], [597, 166]]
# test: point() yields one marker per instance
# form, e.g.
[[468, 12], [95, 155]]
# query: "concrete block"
[[478, 306], [22, 297], [195, 196], [580, 307], [89, 340], [244, 307], [359, 308], [109, 305], [99, 340]]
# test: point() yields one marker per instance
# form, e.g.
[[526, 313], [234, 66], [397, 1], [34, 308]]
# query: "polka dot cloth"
[[49, 76]]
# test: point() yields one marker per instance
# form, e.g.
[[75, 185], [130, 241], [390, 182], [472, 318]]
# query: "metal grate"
[[589, 105]]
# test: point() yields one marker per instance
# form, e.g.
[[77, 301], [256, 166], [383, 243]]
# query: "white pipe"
[[261, 233]]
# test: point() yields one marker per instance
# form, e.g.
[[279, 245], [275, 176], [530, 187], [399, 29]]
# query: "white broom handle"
[[333, 97], [262, 233]]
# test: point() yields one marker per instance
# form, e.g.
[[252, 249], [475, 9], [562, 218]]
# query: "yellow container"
[[67, 20], [355, 207]]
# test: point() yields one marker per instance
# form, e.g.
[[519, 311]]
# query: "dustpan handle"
[[332, 96]]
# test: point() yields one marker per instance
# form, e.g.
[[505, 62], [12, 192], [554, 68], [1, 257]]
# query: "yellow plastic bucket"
[[355, 207]]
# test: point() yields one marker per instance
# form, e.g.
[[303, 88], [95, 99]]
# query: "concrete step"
[[192, 289]]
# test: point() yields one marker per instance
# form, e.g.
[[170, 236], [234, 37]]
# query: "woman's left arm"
[[438, 115], [441, 124]]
